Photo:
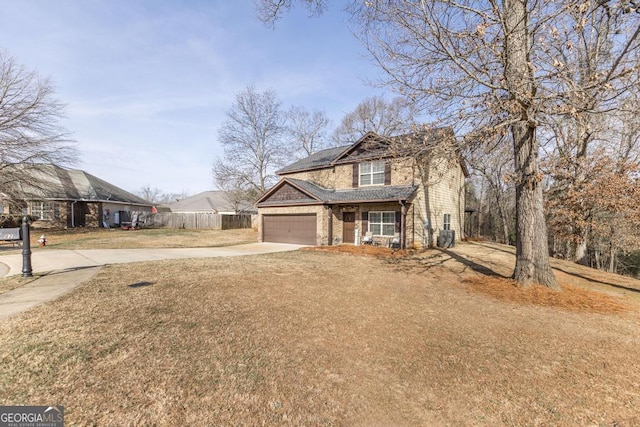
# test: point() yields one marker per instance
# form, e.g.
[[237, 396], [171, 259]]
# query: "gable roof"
[[313, 194], [369, 146], [57, 183], [208, 201]]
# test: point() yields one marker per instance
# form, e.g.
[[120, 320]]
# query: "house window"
[[42, 210], [447, 222], [382, 223], [372, 173]]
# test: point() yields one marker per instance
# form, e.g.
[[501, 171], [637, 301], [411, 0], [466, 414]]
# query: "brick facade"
[[442, 195]]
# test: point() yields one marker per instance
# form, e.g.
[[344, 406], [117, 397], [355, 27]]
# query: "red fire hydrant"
[[43, 240]]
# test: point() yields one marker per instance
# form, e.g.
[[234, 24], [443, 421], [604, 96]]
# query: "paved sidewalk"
[[43, 289], [70, 269]]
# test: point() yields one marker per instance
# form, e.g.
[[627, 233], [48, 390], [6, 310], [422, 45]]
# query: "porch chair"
[[395, 241], [368, 238]]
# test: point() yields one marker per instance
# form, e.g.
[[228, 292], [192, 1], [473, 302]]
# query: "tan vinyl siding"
[[445, 191]]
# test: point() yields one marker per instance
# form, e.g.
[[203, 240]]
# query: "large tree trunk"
[[612, 259], [532, 252], [504, 220], [612, 251], [580, 255]]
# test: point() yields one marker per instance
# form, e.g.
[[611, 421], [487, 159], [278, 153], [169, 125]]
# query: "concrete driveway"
[[44, 260]]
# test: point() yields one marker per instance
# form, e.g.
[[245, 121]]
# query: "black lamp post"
[[26, 246]]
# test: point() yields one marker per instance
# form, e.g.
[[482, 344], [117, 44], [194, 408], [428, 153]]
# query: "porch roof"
[[322, 195]]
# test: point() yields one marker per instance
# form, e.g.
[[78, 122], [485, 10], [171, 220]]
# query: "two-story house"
[[401, 189]]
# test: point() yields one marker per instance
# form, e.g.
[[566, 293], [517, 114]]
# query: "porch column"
[[403, 226], [330, 225]]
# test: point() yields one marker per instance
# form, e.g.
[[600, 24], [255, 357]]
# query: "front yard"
[[115, 238], [314, 338]]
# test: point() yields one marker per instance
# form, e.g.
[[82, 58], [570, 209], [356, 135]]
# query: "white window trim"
[[43, 210], [371, 173], [446, 222], [382, 223]]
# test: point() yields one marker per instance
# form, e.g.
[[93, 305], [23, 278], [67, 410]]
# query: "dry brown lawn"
[[115, 238], [92, 238], [13, 282], [316, 338]]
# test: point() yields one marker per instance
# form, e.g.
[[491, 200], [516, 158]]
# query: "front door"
[[348, 227], [77, 217]]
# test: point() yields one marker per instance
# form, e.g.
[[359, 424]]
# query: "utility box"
[[446, 239]]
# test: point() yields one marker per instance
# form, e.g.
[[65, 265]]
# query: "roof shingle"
[[56, 183], [378, 146], [357, 195], [322, 158]]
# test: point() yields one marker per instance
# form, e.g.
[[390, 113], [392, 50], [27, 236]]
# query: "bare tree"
[[307, 131], [272, 10], [237, 187], [167, 198], [30, 132], [253, 141], [375, 114], [496, 68], [491, 68], [593, 73], [590, 198], [151, 194], [492, 164], [155, 195], [626, 128]]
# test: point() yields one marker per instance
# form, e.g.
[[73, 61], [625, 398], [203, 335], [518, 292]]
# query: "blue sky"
[[147, 83]]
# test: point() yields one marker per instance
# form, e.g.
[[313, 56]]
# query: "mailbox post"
[[27, 271]]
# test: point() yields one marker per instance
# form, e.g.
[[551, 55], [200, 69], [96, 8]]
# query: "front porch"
[[333, 217], [375, 224]]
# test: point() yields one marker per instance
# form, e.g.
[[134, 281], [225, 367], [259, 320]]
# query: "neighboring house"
[[215, 202], [60, 197], [372, 188]]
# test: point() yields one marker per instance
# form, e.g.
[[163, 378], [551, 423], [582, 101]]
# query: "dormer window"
[[372, 173]]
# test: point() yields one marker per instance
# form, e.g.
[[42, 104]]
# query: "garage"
[[299, 229]]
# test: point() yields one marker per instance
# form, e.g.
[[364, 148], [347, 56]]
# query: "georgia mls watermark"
[[31, 416]]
